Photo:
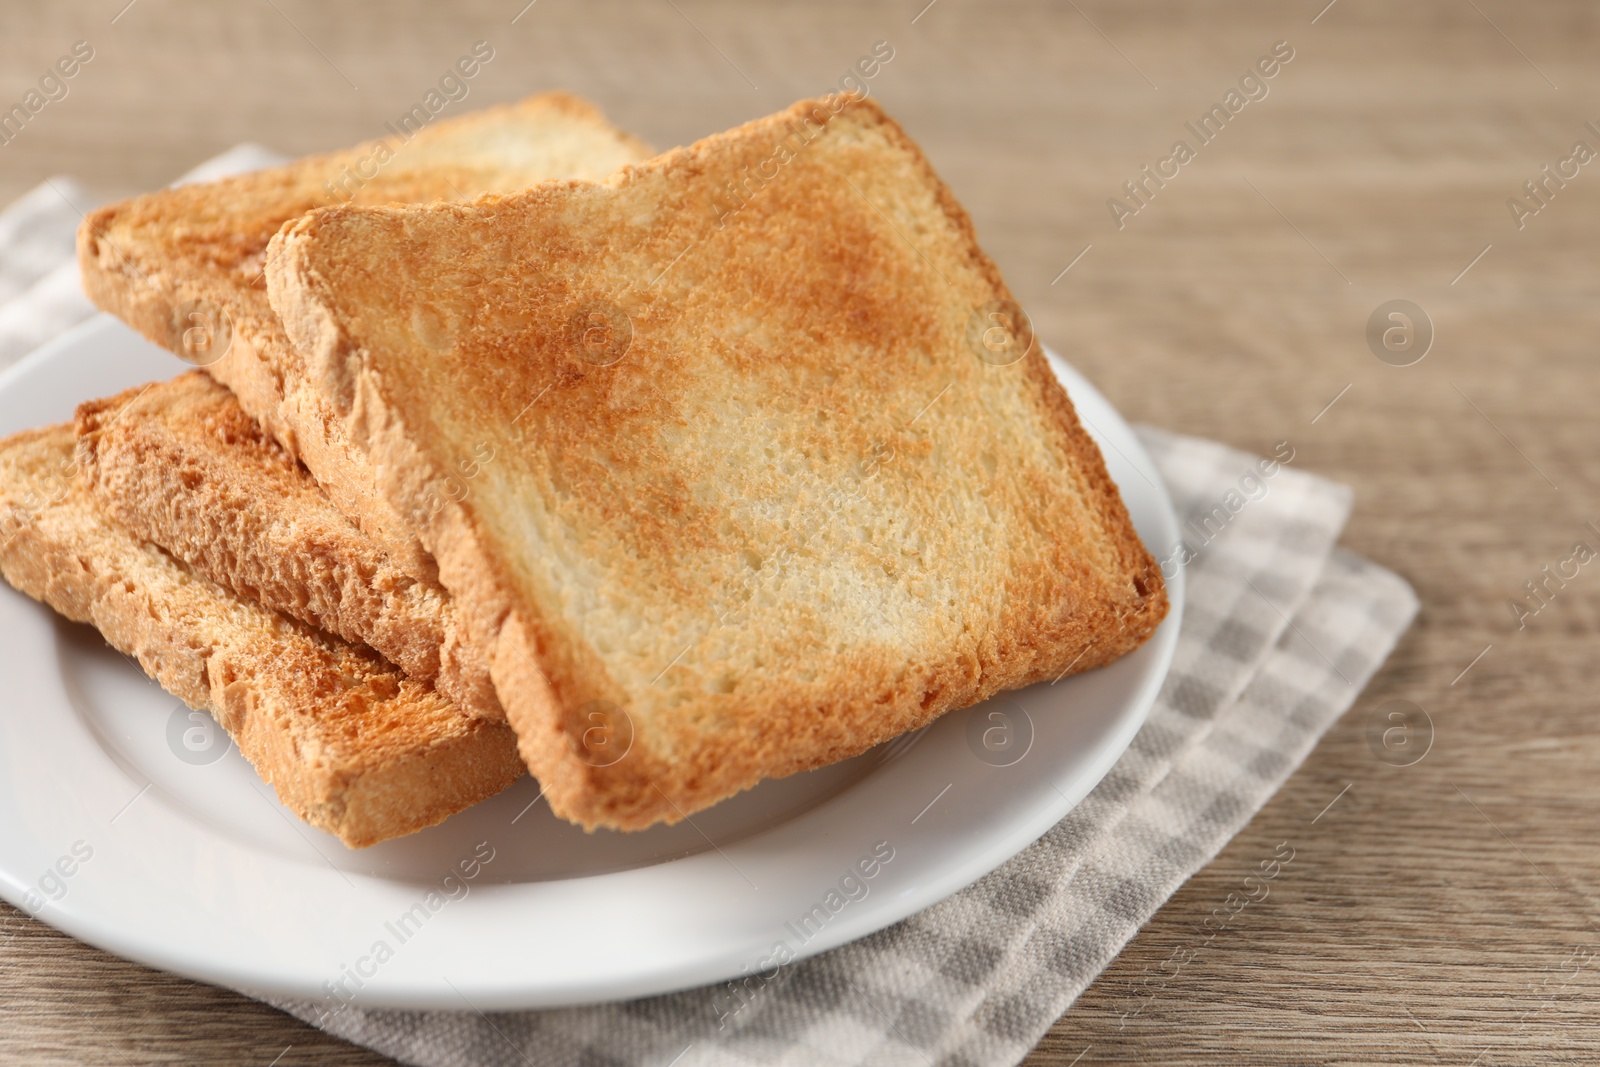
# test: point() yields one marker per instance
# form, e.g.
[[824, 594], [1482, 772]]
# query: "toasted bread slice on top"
[[778, 473], [350, 745], [179, 464], [183, 266]]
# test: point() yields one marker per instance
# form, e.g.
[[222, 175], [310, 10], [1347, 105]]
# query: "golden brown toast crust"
[[802, 512], [350, 745], [155, 260], [179, 464]]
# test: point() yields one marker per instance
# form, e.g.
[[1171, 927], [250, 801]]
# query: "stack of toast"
[[653, 476]]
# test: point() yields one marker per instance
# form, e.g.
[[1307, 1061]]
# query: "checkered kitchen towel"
[[1281, 632]]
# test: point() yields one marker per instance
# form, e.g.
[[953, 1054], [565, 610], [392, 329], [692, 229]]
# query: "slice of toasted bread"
[[179, 464], [351, 745], [183, 266], [777, 470]]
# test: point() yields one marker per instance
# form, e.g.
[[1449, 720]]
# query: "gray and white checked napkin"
[[1281, 632]]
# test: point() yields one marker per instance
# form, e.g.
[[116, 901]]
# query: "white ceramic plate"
[[133, 825]]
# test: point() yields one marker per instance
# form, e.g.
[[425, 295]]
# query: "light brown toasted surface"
[[182, 261], [800, 514], [180, 464], [351, 745]]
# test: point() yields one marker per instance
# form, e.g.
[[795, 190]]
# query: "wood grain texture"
[[1433, 913]]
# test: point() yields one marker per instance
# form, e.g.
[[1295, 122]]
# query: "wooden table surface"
[[1439, 913]]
